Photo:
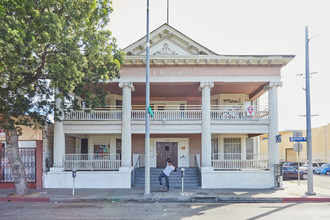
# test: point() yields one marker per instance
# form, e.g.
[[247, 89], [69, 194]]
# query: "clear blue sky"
[[248, 27]]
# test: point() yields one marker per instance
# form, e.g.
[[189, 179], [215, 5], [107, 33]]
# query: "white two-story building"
[[206, 115]]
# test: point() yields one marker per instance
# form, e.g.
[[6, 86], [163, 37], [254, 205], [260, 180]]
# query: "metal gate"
[[28, 156]]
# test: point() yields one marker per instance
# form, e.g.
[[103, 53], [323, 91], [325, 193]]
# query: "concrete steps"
[[191, 179]]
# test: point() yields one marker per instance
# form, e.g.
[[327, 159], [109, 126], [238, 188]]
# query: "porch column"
[[273, 150], [59, 138], [206, 125], [126, 135]]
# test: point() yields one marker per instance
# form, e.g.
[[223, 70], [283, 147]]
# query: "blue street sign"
[[298, 139], [278, 138]]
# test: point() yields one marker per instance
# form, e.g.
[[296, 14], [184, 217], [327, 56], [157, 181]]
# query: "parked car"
[[292, 164], [315, 166], [324, 169], [292, 173]]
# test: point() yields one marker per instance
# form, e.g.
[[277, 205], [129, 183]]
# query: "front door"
[[165, 150]]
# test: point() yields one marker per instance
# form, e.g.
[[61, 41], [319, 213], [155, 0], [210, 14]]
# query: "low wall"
[[85, 179], [237, 179]]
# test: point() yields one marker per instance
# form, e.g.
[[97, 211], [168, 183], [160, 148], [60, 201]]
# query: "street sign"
[[278, 138], [297, 147], [298, 139]]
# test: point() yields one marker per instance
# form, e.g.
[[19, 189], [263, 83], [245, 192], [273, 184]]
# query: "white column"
[[126, 136], [59, 138], [273, 150], [206, 125], [243, 148]]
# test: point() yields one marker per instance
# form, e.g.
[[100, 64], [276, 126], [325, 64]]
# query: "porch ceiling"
[[190, 89]]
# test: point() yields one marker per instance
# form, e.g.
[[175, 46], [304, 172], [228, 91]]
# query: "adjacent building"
[[36, 151], [207, 115], [320, 145]]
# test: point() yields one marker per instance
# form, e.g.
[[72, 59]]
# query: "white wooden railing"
[[187, 112], [101, 161], [94, 115], [237, 112], [169, 114], [240, 161]]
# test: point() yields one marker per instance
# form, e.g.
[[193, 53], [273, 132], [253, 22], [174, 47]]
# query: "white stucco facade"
[[237, 180]]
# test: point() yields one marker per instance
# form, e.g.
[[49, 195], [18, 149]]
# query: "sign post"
[[298, 147]]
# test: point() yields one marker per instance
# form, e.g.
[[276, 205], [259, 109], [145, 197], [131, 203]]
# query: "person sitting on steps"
[[166, 174]]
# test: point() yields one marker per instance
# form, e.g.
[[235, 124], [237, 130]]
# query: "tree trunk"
[[15, 162]]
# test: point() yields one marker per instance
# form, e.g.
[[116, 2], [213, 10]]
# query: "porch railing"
[[175, 112], [240, 161], [101, 161]]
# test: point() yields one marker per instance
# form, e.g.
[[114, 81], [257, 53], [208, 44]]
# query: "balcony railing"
[[238, 161], [94, 115], [174, 112], [238, 112], [101, 161]]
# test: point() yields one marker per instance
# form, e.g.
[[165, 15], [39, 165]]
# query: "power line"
[[321, 32]]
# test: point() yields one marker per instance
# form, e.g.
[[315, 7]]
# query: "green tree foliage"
[[47, 44]]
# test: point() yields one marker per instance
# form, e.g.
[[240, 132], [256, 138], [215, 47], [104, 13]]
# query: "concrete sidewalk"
[[291, 193]]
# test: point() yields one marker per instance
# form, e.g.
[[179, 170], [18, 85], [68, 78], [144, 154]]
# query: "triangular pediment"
[[167, 41]]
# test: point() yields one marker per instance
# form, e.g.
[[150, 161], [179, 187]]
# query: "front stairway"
[[191, 178]]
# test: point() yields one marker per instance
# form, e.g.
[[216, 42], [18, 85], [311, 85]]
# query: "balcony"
[[170, 113]]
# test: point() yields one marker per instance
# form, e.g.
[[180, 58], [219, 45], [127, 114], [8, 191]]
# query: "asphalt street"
[[173, 211]]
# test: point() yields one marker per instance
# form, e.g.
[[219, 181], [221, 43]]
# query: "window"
[[215, 155], [249, 149], [84, 146], [119, 103], [118, 148], [232, 148]]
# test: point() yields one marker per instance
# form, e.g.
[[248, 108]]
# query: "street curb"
[[173, 200], [142, 199], [304, 199], [24, 199]]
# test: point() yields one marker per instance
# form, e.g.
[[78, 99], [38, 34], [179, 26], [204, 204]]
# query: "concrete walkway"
[[291, 192]]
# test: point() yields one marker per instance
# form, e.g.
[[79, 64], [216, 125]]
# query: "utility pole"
[[147, 121], [310, 190], [168, 11]]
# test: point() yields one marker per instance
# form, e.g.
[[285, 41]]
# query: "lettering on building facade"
[[165, 72]]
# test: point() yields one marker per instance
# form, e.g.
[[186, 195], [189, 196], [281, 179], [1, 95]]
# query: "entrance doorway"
[[165, 150]]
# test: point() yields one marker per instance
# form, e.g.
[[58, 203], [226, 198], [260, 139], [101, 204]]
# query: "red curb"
[[24, 199], [306, 199]]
